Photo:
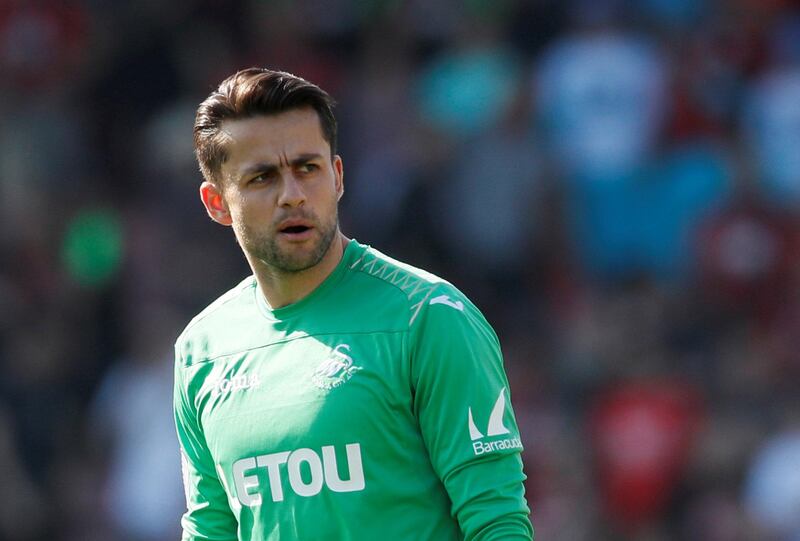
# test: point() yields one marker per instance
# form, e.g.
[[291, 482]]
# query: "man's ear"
[[214, 203], [338, 171]]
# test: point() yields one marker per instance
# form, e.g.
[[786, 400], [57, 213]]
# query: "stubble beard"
[[290, 259]]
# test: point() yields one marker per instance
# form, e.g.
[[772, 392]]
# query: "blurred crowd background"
[[616, 184]]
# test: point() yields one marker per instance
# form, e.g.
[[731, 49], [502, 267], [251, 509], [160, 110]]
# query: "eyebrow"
[[268, 167]]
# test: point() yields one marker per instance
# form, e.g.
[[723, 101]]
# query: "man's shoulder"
[[384, 267], [218, 314], [415, 288]]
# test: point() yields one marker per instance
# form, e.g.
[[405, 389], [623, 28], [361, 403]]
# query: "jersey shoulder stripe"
[[417, 285]]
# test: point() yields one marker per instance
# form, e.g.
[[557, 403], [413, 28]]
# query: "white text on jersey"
[[238, 382], [495, 428], [323, 472]]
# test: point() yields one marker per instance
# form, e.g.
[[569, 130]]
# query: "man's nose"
[[292, 193]]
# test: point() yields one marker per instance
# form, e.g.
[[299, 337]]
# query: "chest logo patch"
[[336, 369], [238, 382]]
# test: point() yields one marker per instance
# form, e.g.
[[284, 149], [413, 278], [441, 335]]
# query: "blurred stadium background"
[[615, 183]]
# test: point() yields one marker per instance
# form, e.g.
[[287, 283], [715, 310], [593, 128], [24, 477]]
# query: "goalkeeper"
[[336, 393]]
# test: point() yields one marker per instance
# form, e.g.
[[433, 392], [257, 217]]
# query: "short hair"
[[252, 92]]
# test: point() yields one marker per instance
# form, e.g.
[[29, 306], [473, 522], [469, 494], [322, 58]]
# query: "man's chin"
[[296, 258], [295, 265], [287, 256]]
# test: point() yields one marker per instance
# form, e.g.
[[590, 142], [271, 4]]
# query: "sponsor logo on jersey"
[[447, 301], [483, 444], [238, 382], [336, 369], [265, 477]]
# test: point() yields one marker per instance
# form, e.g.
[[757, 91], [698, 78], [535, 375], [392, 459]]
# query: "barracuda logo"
[[494, 428], [319, 472]]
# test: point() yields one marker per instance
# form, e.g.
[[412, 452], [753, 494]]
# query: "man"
[[336, 393]]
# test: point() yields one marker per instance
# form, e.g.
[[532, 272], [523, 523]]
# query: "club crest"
[[336, 369]]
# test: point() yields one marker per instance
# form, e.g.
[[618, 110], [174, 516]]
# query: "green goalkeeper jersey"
[[374, 408]]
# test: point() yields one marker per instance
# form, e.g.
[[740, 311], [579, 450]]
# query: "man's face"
[[279, 189]]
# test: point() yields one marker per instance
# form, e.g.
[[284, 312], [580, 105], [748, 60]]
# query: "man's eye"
[[308, 167], [260, 179]]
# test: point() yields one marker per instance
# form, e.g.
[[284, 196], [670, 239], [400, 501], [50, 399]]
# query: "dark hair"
[[252, 92]]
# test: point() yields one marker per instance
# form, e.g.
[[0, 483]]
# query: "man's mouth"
[[295, 229]]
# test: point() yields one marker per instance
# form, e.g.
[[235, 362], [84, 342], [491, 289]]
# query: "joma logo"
[[238, 382]]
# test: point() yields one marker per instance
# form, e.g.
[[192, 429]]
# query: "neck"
[[283, 288]]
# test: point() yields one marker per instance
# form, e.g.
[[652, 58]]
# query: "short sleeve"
[[208, 516], [463, 404]]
